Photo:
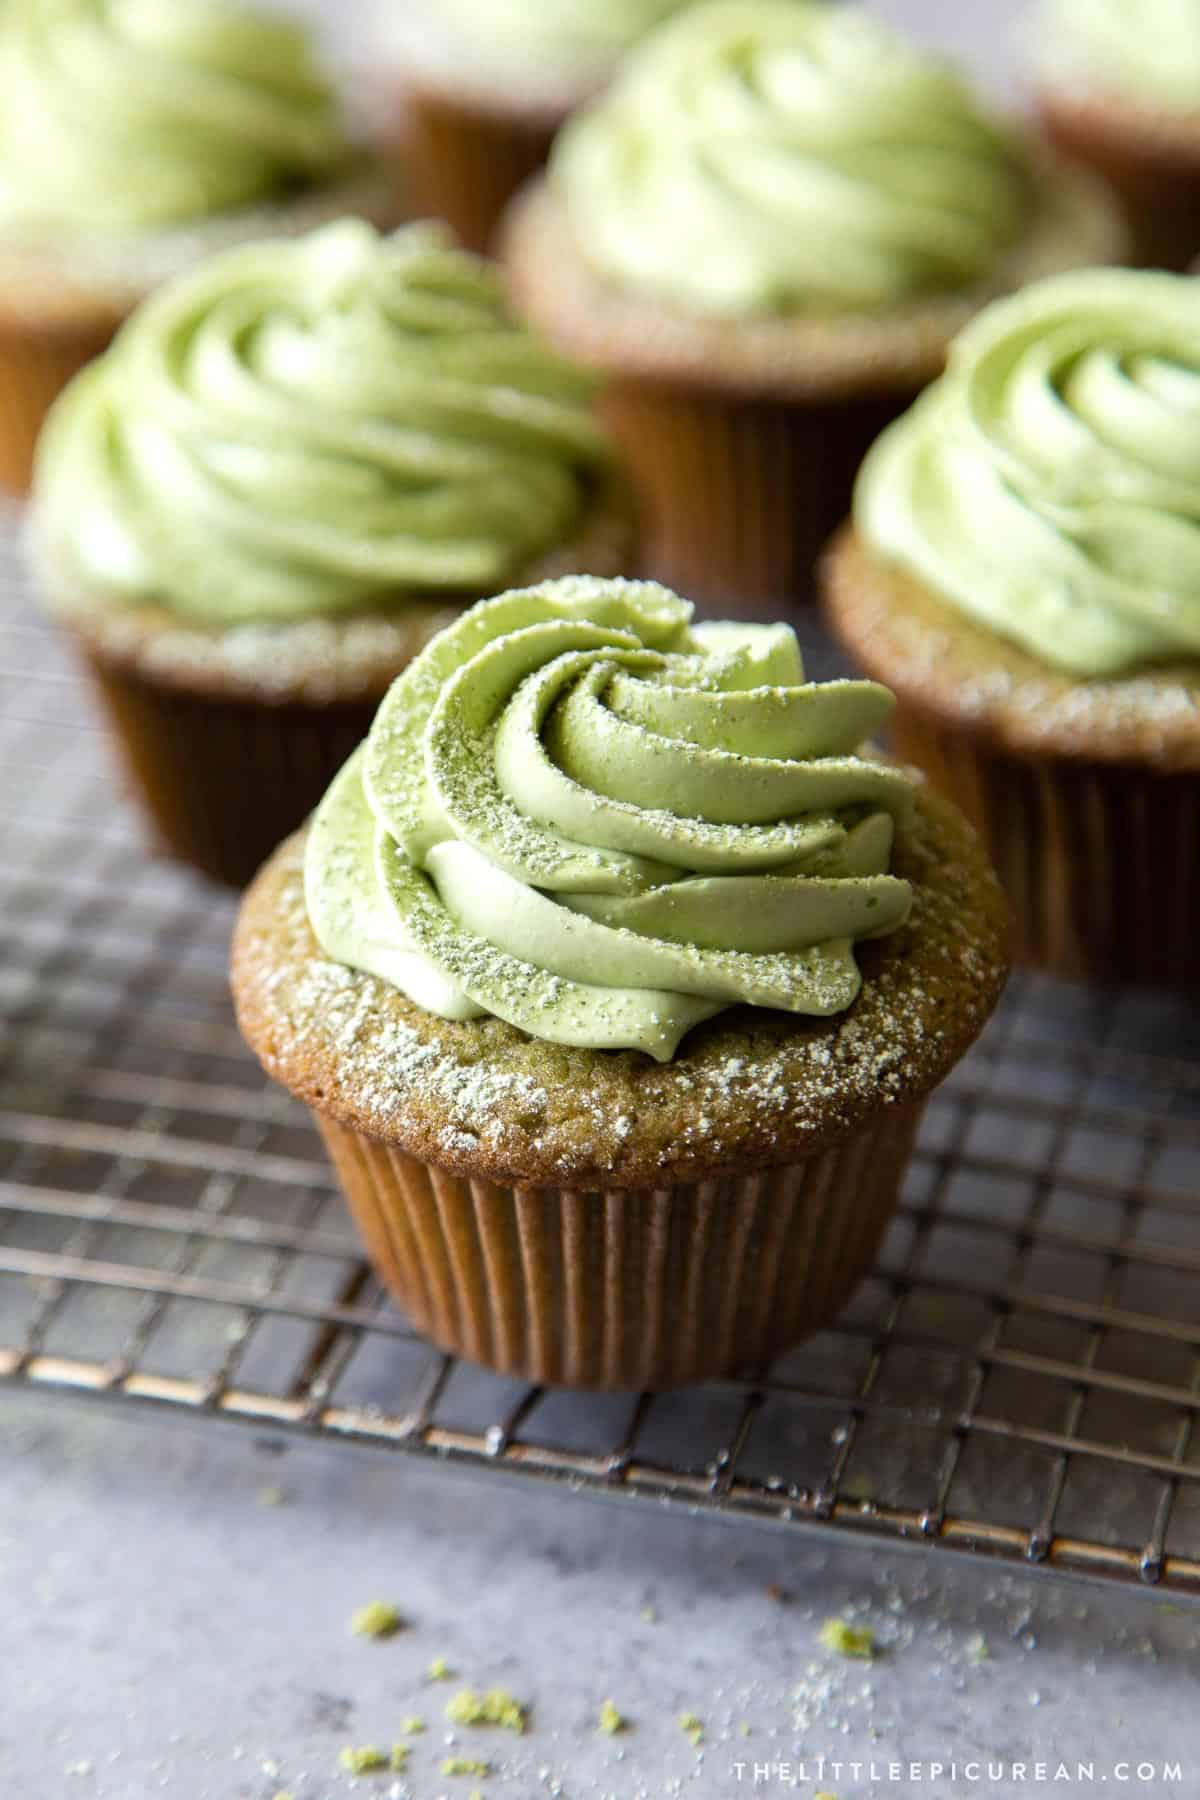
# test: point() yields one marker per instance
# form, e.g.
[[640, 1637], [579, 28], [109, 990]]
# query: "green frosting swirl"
[[781, 155], [580, 813], [1049, 483], [317, 425], [1149, 49], [118, 114], [575, 36]]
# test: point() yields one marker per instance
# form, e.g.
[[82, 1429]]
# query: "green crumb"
[[284, 1794], [649, 1616], [744, 1728], [399, 1758], [496, 1707], [412, 1726], [271, 1496], [977, 1649], [611, 1720], [848, 1640], [377, 1620], [465, 1765], [366, 1761], [439, 1669], [824, 1795], [691, 1726]]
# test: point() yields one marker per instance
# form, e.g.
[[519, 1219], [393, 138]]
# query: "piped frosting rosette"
[[141, 113], [1049, 483], [583, 35], [578, 812], [783, 155], [313, 426], [1146, 48]]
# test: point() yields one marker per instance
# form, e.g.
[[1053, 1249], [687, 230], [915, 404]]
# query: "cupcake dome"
[[139, 115], [775, 155]]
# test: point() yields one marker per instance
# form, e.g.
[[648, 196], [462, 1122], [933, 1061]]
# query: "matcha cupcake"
[[472, 91], [766, 234], [1118, 88], [617, 977], [1024, 571], [134, 140], [293, 465]]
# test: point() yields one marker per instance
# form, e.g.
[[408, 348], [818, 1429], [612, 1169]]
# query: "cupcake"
[[1118, 88], [133, 141], [1024, 571], [473, 91], [617, 978], [766, 234], [293, 465]]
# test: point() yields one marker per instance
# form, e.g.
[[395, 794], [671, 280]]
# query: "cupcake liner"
[[741, 494], [1101, 861], [34, 368], [465, 165], [1157, 183], [625, 1288], [223, 781]]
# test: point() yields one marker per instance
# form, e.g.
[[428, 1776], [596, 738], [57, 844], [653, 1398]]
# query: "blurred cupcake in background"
[[766, 233], [135, 139], [1118, 87], [1024, 573], [291, 467], [473, 91]]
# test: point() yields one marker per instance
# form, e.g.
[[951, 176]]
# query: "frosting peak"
[[317, 425], [1049, 483], [782, 155], [118, 114], [582, 814], [582, 37], [1149, 49]]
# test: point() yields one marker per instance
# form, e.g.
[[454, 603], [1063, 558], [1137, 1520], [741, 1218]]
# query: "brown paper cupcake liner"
[[741, 494], [34, 369], [625, 1288], [464, 165], [222, 782], [1156, 181], [1101, 861]]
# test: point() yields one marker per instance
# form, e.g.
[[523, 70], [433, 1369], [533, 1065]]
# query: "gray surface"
[[164, 1630]]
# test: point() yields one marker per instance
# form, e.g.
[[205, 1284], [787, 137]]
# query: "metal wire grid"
[[1021, 1375]]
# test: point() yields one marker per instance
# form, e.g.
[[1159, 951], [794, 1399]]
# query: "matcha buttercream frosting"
[[315, 426], [1148, 49], [766, 156], [581, 813], [137, 114], [1049, 483], [581, 37]]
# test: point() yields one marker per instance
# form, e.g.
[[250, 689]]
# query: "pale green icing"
[[1049, 483], [577, 37], [315, 426], [580, 813], [1148, 49], [788, 155], [120, 114]]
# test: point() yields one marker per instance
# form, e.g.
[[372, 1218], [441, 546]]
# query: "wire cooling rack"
[[1020, 1377]]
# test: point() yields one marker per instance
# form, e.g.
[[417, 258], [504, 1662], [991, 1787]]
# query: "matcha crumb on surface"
[[439, 1669], [411, 1726], [825, 1795], [378, 1619], [611, 1720], [691, 1726], [398, 1761], [271, 1496], [977, 1648], [744, 1728], [649, 1616], [465, 1765], [495, 1707], [366, 1760], [843, 1639]]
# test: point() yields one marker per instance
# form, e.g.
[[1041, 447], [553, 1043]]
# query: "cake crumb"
[[465, 1765], [271, 1496], [612, 1721], [363, 1761], [691, 1727], [649, 1616], [378, 1619], [495, 1707], [977, 1648], [399, 1758], [857, 1641], [439, 1669], [411, 1726]]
